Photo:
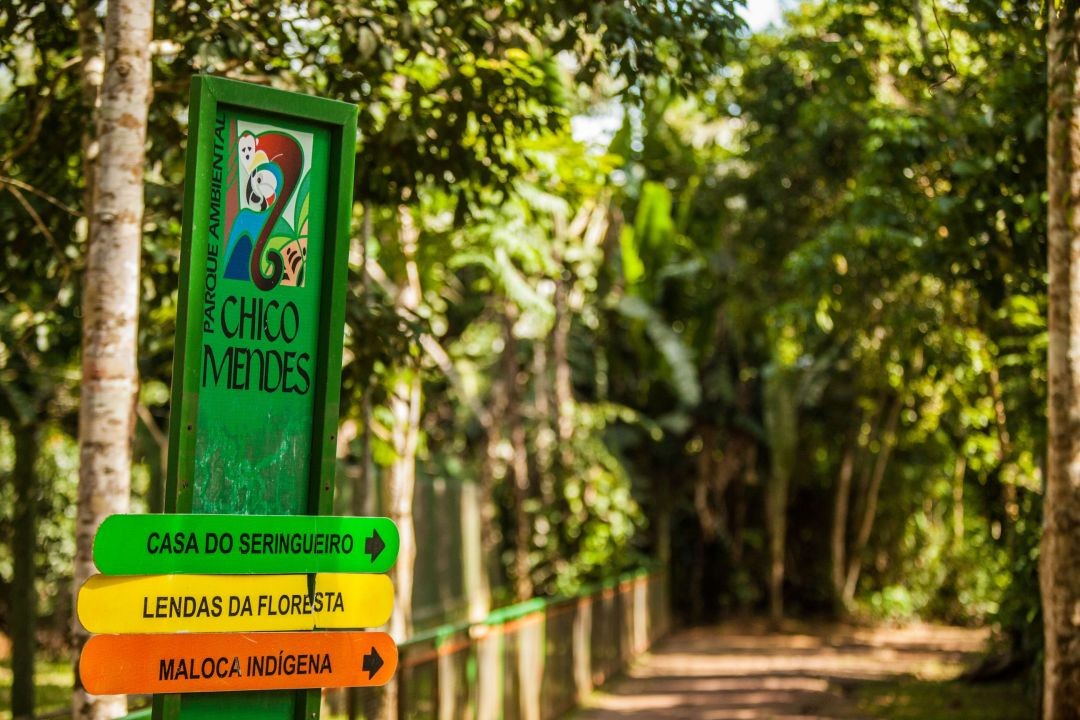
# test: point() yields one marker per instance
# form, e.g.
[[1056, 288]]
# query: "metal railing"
[[535, 660]]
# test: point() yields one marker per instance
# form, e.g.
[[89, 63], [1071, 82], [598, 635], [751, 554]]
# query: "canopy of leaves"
[[791, 233]]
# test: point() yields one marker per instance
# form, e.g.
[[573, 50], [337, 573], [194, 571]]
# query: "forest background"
[[765, 308]]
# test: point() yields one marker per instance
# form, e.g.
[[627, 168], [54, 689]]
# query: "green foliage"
[[52, 689], [790, 232], [872, 213], [447, 98], [915, 699], [57, 470], [677, 356]]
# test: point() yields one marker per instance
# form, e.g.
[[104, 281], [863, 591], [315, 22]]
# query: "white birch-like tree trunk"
[[111, 301], [1060, 558], [405, 404], [91, 70]]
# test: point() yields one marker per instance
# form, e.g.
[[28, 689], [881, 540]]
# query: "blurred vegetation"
[[52, 687], [774, 318], [911, 699]]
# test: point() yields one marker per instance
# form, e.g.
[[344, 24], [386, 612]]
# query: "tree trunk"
[[474, 554], [840, 515], [363, 486], [564, 389], [545, 433], [519, 458], [781, 422], [91, 70], [23, 605], [489, 471], [706, 514], [749, 478], [697, 581], [1060, 558], [405, 401], [154, 447], [111, 301], [1009, 471], [924, 38], [492, 418], [959, 470], [364, 493], [869, 511], [662, 532]]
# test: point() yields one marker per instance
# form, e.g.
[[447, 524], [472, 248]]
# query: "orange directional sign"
[[220, 662], [231, 603]]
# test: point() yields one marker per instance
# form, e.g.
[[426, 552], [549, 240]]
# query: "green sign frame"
[[257, 373]]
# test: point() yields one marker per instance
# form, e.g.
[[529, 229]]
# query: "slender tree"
[[841, 499], [870, 502], [24, 601], [782, 421], [519, 457], [1060, 571], [111, 298], [405, 407]]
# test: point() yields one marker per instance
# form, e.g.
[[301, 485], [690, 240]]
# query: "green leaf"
[[633, 268], [677, 355], [653, 226]]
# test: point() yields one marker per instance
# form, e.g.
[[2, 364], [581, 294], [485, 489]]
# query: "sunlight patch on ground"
[[744, 671]]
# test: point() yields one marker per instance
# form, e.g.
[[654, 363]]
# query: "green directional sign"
[[268, 198], [237, 544]]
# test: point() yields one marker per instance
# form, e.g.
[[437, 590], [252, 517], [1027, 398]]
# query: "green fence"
[[536, 660], [532, 661]]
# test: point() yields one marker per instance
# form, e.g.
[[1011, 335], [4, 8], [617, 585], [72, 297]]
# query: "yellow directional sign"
[[233, 603]]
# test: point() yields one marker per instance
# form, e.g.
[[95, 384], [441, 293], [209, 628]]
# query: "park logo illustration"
[[267, 205]]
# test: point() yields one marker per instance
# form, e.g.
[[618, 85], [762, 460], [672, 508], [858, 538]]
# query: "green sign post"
[[267, 205]]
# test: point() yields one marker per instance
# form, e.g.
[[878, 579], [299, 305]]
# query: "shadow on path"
[[741, 671]]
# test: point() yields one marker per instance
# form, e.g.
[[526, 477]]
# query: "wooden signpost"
[[192, 601]]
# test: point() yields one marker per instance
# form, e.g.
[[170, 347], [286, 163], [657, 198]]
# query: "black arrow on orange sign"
[[373, 662]]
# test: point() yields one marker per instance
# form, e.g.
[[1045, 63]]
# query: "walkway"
[[743, 672]]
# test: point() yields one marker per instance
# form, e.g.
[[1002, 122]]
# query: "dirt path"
[[743, 672]]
